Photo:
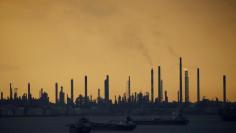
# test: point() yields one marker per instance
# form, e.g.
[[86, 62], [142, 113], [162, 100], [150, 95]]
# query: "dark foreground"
[[198, 124]]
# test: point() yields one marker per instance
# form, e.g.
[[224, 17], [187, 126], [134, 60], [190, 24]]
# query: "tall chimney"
[[56, 93], [29, 94], [166, 97], [62, 96], [99, 95], [129, 87], [159, 83], [180, 80], [1, 95], [224, 89], [198, 85], [11, 91], [161, 91], [15, 93], [178, 96], [86, 87], [106, 88], [72, 90], [152, 86], [186, 87]]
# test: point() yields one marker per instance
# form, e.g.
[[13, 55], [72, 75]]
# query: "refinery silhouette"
[[128, 104]]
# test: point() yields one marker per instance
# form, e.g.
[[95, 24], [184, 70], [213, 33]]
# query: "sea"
[[198, 124]]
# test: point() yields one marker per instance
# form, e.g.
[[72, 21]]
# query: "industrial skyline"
[[60, 96]]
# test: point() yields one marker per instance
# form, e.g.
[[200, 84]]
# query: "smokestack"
[[15, 93], [224, 89], [11, 92], [180, 80], [72, 90], [186, 87], [159, 83], [86, 87], [198, 85], [108, 95], [178, 96], [106, 88], [161, 91], [166, 97], [99, 95], [152, 86], [129, 87], [1, 95], [29, 94], [56, 93], [62, 96], [115, 100]]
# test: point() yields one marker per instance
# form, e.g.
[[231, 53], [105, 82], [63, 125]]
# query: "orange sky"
[[44, 41]]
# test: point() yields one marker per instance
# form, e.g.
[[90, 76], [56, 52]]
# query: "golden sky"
[[44, 41]]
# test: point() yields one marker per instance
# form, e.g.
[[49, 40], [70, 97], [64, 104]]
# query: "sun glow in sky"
[[48, 41]]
